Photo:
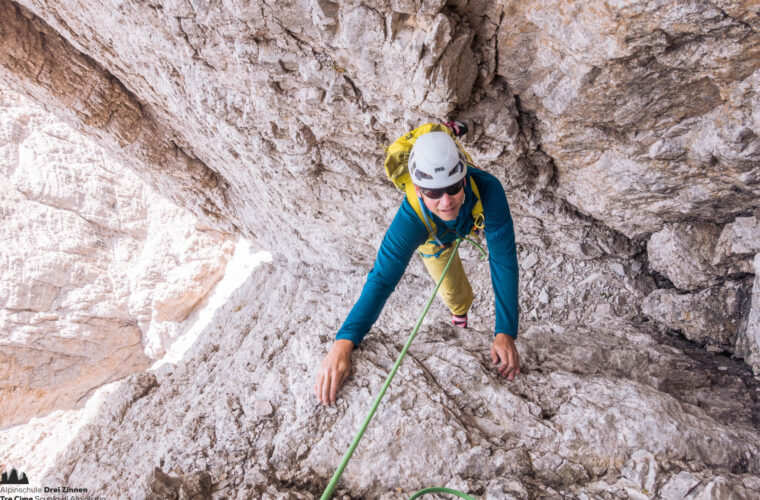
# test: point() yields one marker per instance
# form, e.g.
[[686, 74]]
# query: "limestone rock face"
[[97, 271], [648, 109], [592, 404], [737, 245], [642, 469], [748, 343], [294, 99], [607, 123], [161, 485], [715, 316], [300, 98], [684, 253], [706, 307]]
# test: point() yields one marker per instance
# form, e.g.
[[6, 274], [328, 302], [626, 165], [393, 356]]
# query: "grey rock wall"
[[284, 92], [626, 136], [749, 340], [715, 316], [647, 108], [601, 409], [739, 242], [97, 272], [684, 253]]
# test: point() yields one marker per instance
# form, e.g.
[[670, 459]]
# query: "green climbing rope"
[[339, 471], [441, 490], [482, 252]]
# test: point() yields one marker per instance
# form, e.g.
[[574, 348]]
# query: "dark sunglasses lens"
[[434, 194], [452, 190]]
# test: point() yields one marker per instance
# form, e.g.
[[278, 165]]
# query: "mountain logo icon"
[[14, 478]]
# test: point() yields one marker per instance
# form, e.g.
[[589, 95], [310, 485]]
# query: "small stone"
[[262, 408], [642, 469], [636, 266], [604, 309], [530, 261], [722, 368], [679, 485], [620, 301], [543, 297], [618, 269]]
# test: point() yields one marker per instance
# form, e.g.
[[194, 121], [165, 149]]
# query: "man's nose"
[[446, 199]]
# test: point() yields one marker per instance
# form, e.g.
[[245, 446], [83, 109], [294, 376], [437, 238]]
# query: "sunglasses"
[[435, 194]]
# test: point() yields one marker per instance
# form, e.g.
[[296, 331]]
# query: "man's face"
[[447, 206]]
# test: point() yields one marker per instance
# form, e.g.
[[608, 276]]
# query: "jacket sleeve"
[[405, 234], [502, 255]]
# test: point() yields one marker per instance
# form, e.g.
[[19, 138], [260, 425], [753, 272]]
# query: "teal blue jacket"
[[407, 232]]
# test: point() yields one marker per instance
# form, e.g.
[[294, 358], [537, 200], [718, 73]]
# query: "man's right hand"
[[334, 370]]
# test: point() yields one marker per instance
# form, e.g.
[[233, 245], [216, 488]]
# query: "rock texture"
[[748, 344], [97, 271], [716, 316], [279, 89], [626, 136], [739, 242], [710, 301], [34, 446], [603, 409], [647, 108], [684, 253], [577, 109]]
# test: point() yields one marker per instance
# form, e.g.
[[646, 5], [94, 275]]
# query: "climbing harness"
[[339, 471]]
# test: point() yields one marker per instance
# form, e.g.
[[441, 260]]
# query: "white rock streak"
[[97, 273], [239, 268]]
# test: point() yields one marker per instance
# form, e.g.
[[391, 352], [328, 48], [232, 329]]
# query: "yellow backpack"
[[397, 169]]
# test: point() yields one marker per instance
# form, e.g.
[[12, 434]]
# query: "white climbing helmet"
[[436, 162]]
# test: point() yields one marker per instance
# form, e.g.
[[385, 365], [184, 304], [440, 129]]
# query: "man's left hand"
[[504, 354]]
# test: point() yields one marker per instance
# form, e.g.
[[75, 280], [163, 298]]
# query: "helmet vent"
[[420, 175], [459, 167]]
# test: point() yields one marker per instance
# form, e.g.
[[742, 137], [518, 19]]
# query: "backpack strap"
[[414, 201], [477, 210]]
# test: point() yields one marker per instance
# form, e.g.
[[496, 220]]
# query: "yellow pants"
[[455, 290]]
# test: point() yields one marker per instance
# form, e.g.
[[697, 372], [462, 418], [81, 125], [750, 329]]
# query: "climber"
[[452, 190]]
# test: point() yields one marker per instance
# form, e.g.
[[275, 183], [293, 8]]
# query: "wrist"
[[343, 345]]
